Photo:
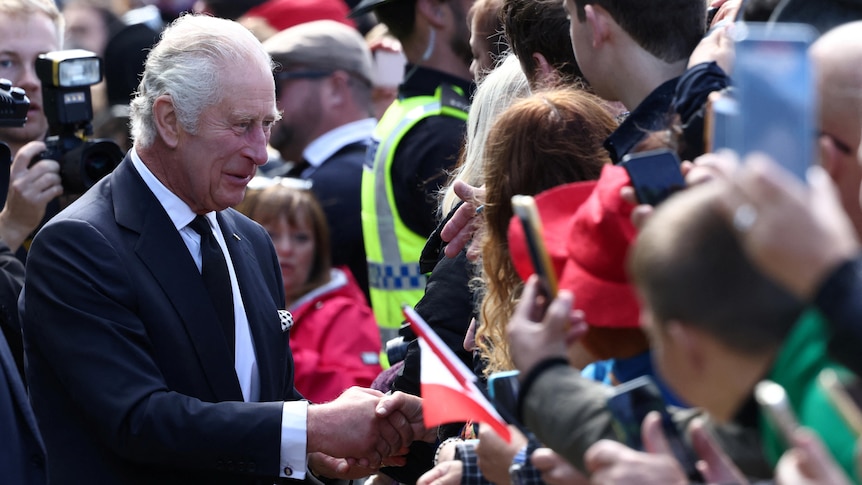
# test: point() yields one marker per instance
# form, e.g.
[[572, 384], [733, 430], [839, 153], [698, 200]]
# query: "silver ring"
[[744, 217]]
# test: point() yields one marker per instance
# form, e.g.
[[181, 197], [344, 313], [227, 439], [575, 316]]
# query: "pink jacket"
[[335, 341]]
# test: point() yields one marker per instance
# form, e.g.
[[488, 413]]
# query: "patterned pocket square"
[[286, 320]]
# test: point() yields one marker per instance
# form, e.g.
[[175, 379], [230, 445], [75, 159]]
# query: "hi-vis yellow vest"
[[393, 250]]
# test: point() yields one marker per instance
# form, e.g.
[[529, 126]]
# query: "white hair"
[[186, 64], [497, 91]]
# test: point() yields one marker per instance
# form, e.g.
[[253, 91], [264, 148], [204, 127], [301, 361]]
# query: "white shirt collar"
[[179, 212], [328, 144]]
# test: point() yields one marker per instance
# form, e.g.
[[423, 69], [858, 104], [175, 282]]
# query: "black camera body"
[[83, 162], [66, 78], [14, 104]]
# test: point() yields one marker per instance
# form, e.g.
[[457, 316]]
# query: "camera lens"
[[97, 166]]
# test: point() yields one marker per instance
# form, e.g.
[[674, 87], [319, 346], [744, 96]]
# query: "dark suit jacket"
[[22, 454], [337, 184], [131, 378]]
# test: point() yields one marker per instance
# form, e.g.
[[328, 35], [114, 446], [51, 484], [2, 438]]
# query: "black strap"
[[216, 277]]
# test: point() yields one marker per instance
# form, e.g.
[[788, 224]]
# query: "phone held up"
[[654, 174], [524, 207], [774, 103], [772, 399], [503, 389], [630, 404], [845, 393]]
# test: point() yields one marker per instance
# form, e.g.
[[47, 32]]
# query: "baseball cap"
[[588, 232], [324, 45]]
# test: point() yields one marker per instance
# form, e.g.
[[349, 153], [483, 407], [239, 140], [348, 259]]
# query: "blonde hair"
[[496, 92], [25, 8]]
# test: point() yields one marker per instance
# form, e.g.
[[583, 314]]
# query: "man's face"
[[480, 49], [22, 39], [459, 42], [579, 33], [85, 28], [301, 107], [214, 165]]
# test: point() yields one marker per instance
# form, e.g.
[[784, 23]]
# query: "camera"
[[66, 78], [14, 104]]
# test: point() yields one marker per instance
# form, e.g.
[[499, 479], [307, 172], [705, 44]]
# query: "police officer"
[[416, 141]]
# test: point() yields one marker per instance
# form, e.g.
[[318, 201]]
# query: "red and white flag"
[[449, 392]]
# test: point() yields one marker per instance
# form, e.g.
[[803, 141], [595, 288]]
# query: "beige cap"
[[324, 45]]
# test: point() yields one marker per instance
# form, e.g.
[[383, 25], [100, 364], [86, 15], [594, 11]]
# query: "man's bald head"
[[837, 56]]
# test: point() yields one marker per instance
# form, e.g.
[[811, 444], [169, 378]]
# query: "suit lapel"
[[163, 251], [261, 312]]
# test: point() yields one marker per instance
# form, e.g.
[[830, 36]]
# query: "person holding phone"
[[714, 357]]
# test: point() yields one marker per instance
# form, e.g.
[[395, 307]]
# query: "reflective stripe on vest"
[[392, 249]]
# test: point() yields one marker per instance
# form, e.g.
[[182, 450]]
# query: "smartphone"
[[776, 94], [845, 394], [524, 206], [503, 388], [776, 406], [388, 68], [721, 111], [655, 175], [630, 404]]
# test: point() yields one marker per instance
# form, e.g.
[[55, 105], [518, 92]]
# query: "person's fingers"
[[641, 214], [368, 390], [447, 472], [714, 464], [578, 327], [25, 156], [528, 308], [557, 318], [653, 437], [602, 454], [627, 193]]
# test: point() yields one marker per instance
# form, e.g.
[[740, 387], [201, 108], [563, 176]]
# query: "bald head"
[[837, 56]]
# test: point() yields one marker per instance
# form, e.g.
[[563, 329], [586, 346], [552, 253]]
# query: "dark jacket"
[[22, 455]]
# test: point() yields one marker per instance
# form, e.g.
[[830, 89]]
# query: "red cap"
[[282, 14], [588, 231]]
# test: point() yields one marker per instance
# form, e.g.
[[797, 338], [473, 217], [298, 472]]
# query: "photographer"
[[27, 29]]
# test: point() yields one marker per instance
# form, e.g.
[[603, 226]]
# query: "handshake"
[[362, 430]]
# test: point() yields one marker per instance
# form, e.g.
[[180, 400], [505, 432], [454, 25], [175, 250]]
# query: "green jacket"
[[797, 365]]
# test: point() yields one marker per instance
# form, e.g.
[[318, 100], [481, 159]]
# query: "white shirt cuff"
[[294, 419]]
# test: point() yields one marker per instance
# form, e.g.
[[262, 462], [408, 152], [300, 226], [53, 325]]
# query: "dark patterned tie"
[[216, 277]]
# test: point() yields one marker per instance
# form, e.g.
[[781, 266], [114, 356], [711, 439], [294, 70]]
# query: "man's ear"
[[544, 69], [335, 88], [688, 343], [165, 118], [432, 11], [597, 20]]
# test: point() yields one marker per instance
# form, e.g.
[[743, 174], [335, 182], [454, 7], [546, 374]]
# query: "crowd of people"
[[225, 306]]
